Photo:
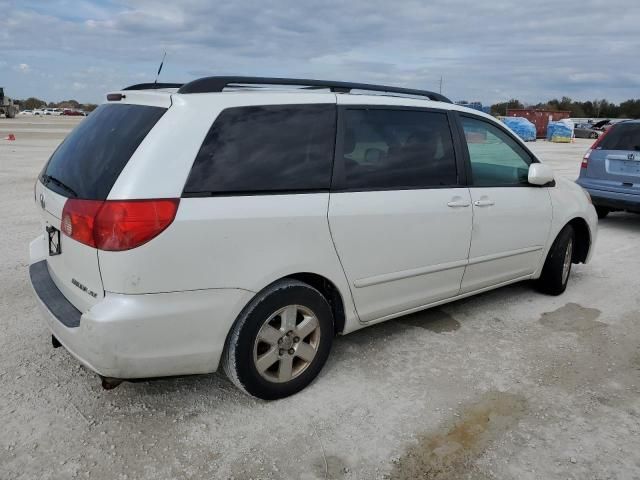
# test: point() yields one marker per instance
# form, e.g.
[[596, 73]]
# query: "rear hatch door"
[[85, 167], [72, 265], [615, 162]]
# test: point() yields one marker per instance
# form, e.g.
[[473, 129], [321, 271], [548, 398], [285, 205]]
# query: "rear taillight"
[[123, 225], [78, 219], [117, 225], [585, 159]]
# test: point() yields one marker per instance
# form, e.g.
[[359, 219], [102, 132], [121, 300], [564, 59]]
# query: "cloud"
[[22, 68], [489, 51], [589, 77]]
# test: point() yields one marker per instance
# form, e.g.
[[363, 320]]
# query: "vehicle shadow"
[[437, 320], [621, 221]]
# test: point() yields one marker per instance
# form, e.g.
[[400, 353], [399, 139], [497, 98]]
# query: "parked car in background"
[[585, 130], [38, 111], [73, 113], [601, 125], [26, 112], [281, 218], [610, 170]]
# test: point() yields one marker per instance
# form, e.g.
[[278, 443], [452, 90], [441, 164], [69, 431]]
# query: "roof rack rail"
[[218, 84], [153, 86]]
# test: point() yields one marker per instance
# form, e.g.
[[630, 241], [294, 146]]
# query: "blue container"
[[559, 132], [522, 127]]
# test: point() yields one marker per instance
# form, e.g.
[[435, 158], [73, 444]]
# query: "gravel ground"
[[510, 384]]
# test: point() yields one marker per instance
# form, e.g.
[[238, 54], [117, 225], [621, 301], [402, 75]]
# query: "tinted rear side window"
[[89, 161], [622, 137], [266, 149], [387, 149]]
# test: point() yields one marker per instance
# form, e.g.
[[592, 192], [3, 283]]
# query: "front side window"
[[496, 158], [266, 149], [388, 149]]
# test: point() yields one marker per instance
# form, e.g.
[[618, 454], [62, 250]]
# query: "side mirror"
[[540, 174]]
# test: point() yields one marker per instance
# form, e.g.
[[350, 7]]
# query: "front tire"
[[557, 266], [280, 341], [593, 135]]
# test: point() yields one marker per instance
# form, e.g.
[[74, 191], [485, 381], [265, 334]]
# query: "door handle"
[[483, 203], [458, 203]]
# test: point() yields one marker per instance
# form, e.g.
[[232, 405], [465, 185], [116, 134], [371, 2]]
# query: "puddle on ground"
[[448, 453], [572, 318], [433, 319]]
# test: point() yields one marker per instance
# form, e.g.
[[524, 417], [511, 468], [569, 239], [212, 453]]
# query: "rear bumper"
[[49, 294], [143, 336], [614, 200]]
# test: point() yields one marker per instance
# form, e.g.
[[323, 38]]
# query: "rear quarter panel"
[[244, 242]]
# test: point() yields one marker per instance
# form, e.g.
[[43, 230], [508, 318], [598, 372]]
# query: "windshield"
[[88, 162]]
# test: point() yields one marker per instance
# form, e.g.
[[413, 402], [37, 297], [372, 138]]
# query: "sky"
[[487, 50]]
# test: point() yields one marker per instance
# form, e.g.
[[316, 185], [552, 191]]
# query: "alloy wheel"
[[566, 265], [286, 344]]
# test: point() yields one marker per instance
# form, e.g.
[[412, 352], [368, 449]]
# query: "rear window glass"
[[266, 149], [89, 161], [622, 137]]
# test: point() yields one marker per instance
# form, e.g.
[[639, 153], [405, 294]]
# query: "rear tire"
[[280, 341], [557, 266], [602, 211]]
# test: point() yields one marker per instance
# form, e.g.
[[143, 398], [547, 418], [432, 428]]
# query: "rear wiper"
[[59, 183]]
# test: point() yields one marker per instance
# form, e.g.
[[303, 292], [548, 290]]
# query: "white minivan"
[[244, 222]]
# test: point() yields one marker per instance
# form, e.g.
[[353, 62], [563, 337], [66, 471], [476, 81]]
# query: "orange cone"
[[11, 137]]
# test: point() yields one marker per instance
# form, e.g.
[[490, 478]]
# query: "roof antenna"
[[160, 68]]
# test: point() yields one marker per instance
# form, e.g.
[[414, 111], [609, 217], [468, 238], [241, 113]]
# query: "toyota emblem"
[[42, 202]]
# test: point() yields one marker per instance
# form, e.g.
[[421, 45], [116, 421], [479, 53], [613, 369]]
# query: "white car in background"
[[190, 226], [52, 111], [26, 112]]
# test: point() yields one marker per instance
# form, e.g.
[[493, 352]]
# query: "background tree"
[[69, 104], [501, 108], [598, 108], [32, 103], [630, 109]]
